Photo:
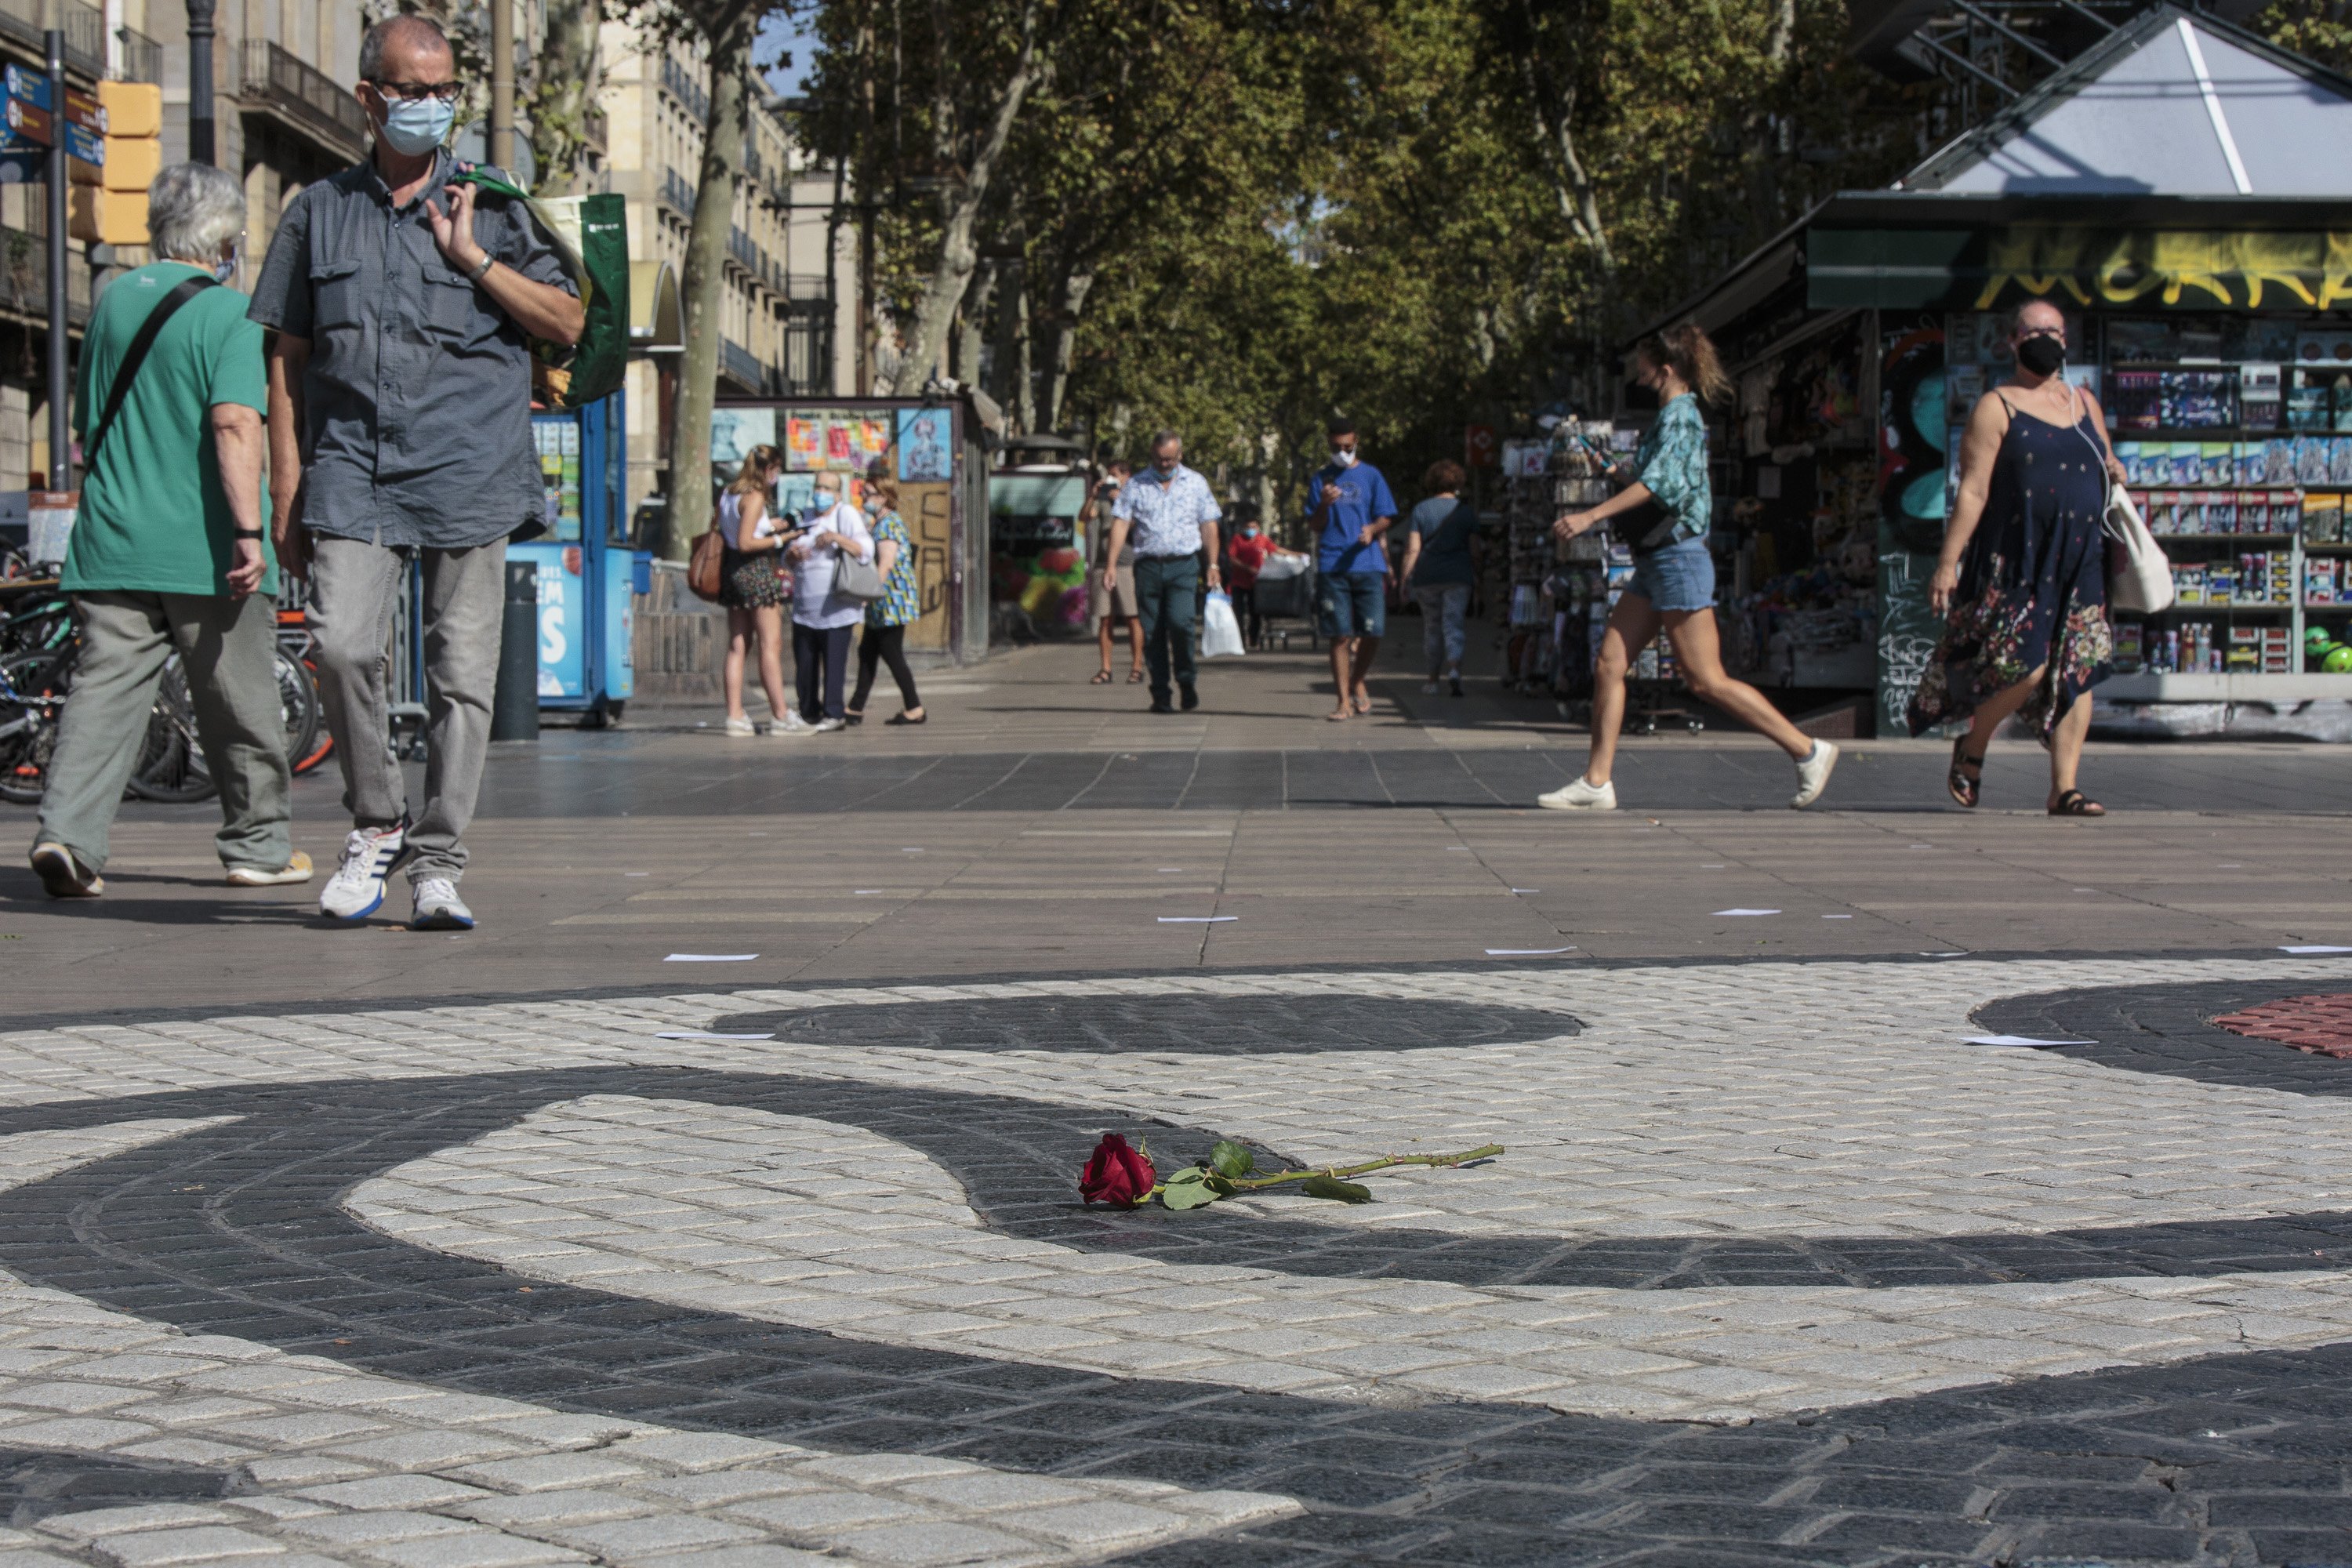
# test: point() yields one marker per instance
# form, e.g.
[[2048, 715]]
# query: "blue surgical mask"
[[1250, 532], [226, 271], [413, 128], [824, 500]]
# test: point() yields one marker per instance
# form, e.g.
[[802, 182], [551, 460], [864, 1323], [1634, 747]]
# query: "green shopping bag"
[[590, 236]]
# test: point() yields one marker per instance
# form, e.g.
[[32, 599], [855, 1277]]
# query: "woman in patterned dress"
[[753, 588], [2022, 576], [887, 618]]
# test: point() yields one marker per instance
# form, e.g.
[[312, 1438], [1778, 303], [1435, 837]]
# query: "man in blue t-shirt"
[[1350, 508]]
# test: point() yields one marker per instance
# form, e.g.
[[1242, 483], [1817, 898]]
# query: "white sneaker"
[[297, 869], [1429, 689], [1578, 795], [356, 889], [438, 907], [62, 874], [825, 726], [792, 723], [1814, 774], [740, 730]]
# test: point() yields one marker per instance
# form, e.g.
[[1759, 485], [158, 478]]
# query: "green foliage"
[[1188, 1189], [1231, 1160]]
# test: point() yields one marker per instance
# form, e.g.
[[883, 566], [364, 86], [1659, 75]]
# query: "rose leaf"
[[1231, 1160], [1333, 1188]]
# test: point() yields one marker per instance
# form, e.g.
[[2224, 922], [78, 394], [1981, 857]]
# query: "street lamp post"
[[60, 373], [200, 81]]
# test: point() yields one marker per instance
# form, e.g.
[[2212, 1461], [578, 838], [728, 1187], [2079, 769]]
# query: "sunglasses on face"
[[417, 92]]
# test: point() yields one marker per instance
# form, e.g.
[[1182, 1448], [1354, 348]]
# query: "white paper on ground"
[[1526, 890], [706, 1034], [1526, 951], [711, 958], [1954, 954], [2018, 1040], [1837, 917], [1747, 911], [2315, 950], [1196, 919]]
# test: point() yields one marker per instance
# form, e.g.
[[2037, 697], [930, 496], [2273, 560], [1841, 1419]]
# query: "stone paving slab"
[[523, 1282]]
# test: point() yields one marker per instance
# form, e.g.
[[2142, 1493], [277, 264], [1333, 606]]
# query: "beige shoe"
[[63, 875], [297, 869], [1578, 795]]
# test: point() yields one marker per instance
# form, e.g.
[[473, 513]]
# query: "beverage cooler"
[[588, 572]]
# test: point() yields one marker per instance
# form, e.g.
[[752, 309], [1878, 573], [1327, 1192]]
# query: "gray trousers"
[[228, 647], [354, 592]]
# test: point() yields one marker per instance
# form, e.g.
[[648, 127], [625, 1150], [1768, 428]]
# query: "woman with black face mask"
[[2022, 576]]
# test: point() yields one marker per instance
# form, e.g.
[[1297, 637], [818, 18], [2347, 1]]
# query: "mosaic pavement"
[[1777, 1268]]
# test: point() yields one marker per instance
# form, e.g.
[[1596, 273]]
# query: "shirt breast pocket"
[[335, 297], [450, 308]]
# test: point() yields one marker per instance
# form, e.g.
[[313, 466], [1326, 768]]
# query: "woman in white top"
[[751, 586], [823, 619]]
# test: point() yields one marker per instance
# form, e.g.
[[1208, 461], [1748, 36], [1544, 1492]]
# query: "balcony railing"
[[677, 193], [304, 95], [25, 277], [26, 21], [680, 83], [740, 365], [143, 56], [808, 357]]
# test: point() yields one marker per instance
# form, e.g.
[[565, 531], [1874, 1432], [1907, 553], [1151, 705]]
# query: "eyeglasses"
[[417, 92]]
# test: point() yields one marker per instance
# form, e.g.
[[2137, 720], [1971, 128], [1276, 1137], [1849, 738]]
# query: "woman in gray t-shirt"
[[1440, 566]]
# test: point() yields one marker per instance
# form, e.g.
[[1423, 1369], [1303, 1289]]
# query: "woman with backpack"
[[753, 588]]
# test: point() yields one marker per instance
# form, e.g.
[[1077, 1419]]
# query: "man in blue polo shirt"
[[1350, 508]]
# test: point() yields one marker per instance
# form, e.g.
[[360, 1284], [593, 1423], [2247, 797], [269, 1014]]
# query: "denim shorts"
[[1354, 603], [1679, 577]]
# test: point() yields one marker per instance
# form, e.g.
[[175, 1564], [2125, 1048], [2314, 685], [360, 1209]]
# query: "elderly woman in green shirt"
[[1667, 507]]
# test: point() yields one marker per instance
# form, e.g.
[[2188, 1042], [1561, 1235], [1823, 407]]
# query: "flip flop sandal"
[[1135, 678], [2074, 802], [1363, 705], [1964, 789], [1101, 677]]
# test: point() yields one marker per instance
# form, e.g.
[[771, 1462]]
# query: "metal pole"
[[200, 83], [60, 375], [502, 145]]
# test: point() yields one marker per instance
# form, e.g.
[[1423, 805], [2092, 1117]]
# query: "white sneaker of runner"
[[1578, 795], [792, 723], [356, 889], [1814, 774], [438, 907]]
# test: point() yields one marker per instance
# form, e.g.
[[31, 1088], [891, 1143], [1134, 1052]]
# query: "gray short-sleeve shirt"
[[418, 398]]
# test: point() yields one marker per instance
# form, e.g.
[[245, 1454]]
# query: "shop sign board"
[[1478, 446], [1995, 266], [29, 122]]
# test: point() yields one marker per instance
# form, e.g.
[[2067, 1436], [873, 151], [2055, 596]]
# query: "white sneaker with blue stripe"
[[438, 907], [356, 889]]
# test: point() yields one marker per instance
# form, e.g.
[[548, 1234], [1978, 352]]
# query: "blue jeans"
[[1679, 577], [1443, 608], [1166, 590], [1354, 603]]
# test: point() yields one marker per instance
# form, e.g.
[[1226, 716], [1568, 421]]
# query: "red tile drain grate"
[[2321, 1025]]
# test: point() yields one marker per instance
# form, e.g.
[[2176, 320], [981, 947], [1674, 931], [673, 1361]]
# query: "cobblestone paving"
[[1778, 1269]]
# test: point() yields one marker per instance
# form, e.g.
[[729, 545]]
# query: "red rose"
[[1116, 1173]]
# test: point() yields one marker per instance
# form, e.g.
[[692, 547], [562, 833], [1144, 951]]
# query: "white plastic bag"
[[1221, 629]]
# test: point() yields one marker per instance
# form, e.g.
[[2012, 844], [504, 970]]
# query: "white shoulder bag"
[[2142, 583]]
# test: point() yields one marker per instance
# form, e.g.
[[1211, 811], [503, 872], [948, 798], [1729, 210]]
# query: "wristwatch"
[[248, 533], [482, 269]]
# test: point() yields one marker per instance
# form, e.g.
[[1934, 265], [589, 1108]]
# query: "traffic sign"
[[29, 85], [29, 121], [1478, 446]]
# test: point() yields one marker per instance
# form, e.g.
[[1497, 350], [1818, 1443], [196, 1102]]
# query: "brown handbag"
[[704, 566]]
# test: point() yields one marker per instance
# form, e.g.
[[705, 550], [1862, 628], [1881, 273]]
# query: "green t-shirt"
[[142, 525]]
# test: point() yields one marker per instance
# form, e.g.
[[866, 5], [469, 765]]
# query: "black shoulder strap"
[[136, 355]]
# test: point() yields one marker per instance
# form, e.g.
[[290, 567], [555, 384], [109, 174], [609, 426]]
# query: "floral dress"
[[901, 604], [2033, 584]]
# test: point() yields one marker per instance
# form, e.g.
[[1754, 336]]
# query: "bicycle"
[[171, 763]]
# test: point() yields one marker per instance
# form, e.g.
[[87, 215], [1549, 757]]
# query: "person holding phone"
[[753, 590], [1110, 584], [823, 617], [1672, 500]]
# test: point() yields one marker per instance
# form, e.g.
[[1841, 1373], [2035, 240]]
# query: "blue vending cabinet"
[[588, 575]]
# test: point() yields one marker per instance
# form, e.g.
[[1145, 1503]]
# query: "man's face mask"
[[1249, 531], [824, 500], [1344, 456], [413, 127]]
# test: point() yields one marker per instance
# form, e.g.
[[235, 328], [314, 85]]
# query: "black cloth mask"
[[2041, 355]]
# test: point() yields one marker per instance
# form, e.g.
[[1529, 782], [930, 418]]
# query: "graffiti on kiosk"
[[2197, 269]]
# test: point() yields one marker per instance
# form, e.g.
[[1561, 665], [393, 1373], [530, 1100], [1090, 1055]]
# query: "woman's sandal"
[[1964, 789], [2074, 802], [1101, 677], [1135, 678]]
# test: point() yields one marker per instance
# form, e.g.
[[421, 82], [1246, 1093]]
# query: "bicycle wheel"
[[32, 693], [172, 765], [322, 741], [297, 701]]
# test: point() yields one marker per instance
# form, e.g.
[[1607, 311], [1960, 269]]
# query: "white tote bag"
[[1221, 629], [2140, 575]]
